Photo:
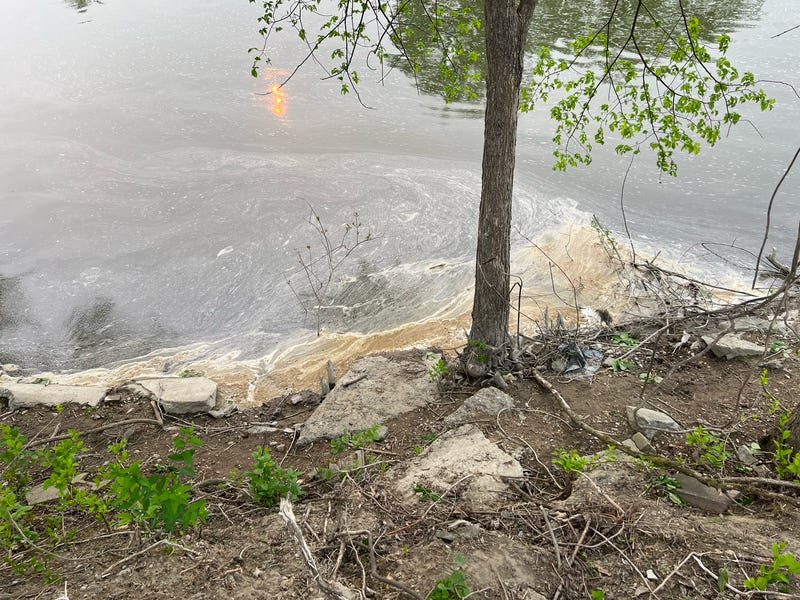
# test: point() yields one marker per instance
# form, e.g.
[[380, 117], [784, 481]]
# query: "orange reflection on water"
[[277, 98]]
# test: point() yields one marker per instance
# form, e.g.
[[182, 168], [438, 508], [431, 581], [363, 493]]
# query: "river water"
[[150, 198]]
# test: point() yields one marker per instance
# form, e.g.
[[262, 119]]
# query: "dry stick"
[[571, 560], [107, 572], [659, 461], [95, 430], [331, 589], [373, 566], [552, 535], [675, 570], [769, 214]]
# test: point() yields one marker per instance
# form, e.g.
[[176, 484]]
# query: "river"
[[151, 199]]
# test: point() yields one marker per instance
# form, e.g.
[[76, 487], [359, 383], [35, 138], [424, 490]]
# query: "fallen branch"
[[331, 589], [66, 436]]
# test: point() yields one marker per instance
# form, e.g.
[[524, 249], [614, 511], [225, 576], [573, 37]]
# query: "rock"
[[488, 401], [753, 323], [182, 395], [702, 496], [461, 457], [745, 455], [732, 346], [222, 413], [39, 494], [390, 388], [651, 422], [257, 429], [642, 443], [26, 395]]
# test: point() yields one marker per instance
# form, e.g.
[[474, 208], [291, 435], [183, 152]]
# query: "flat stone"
[[701, 495], [731, 346], [182, 395], [651, 422], [461, 457], [40, 494], [488, 401], [642, 443], [390, 388], [26, 395]]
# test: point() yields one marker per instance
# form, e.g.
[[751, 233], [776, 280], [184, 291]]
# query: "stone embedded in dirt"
[[390, 388], [39, 494], [651, 422], [488, 401], [9, 369], [754, 323], [26, 395], [182, 395], [642, 443], [703, 496], [463, 459], [732, 346]]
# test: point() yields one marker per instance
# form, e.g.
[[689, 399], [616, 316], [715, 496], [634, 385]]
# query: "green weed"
[[160, 501], [711, 448], [625, 339], [269, 482], [452, 587], [779, 573]]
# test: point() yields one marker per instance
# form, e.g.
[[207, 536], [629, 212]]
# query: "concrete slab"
[[27, 395], [382, 389], [459, 457], [182, 395]]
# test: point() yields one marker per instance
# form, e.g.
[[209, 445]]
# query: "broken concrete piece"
[[642, 443], [390, 388], [651, 422], [39, 494], [732, 346], [461, 457], [182, 395], [488, 401], [702, 496], [26, 395]]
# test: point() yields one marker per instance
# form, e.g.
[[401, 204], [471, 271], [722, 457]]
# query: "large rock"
[[26, 395], [181, 395], [462, 457], [488, 401], [389, 388], [732, 346], [651, 422], [703, 496]]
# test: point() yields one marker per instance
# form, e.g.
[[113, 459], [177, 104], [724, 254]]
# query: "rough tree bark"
[[506, 24]]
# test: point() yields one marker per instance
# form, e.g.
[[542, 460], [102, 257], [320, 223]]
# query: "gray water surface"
[[149, 197]]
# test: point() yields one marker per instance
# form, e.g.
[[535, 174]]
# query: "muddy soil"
[[626, 541]]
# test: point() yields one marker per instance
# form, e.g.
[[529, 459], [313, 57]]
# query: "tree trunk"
[[506, 28]]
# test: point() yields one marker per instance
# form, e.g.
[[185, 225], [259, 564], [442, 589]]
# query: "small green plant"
[[41, 381], [426, 493], [625, 339], [269, 482], [787, 461], [570, 461], [650, 378], [598, 594], [452, 587], [668, 485], [711, 448], [160, 501], [190, 373], [438, 370], [779, 347], [779, 573], [621, 364], [479, 348], [356, 441]]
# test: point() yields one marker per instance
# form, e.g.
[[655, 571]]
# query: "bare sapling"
[[320, 263]]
